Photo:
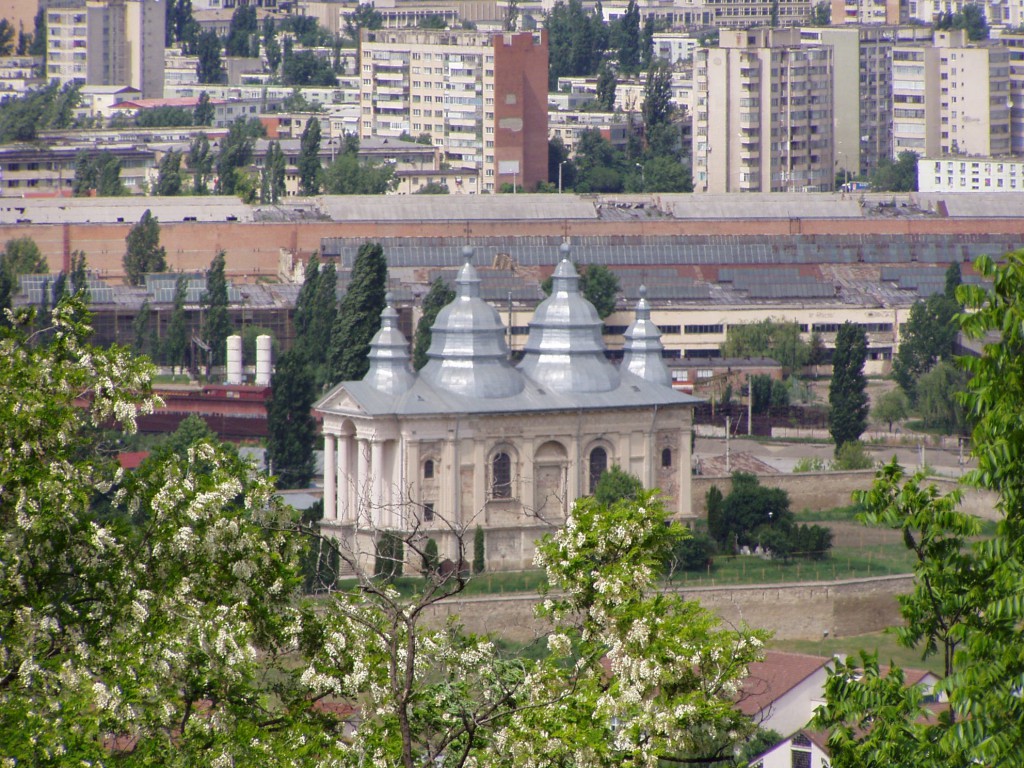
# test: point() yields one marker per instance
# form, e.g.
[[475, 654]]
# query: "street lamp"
[[643, 182], [560, 175]]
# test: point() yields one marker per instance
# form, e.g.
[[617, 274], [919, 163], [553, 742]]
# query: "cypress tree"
[[176, 341], [847, 394], [291, 429], [309, 159], [358, 317], [217, 327], [479, 554], [144, 252], [439, 295]]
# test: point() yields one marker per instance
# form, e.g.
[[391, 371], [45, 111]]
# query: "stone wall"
[[791, 611]]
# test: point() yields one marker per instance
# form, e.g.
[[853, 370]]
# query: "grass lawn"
[[882, 643]]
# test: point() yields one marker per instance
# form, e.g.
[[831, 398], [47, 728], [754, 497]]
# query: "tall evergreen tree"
[[439, 296], [204, 113], [168, 180], [217, 326], [142, 331], [290, 425], [309, 159], [235, 152], [606, 83], [647, 43], [315, 311], [241, 32], [175, 346], [358, 317], [200, 162], [657, 107], [847, 394], [274, 170], [144, 253], [208, 67], [629, 39], [38, 45]]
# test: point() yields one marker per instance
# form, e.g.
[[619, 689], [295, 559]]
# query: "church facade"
[[471, 440]]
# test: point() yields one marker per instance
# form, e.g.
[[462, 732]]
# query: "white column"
[[344, 478], [330, 480], [362, 481], [381, 515]]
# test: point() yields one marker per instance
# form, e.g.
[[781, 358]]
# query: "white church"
[[473, 440]]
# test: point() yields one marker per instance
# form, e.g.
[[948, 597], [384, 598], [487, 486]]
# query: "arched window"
[[428, 469], [666, 457], [501, 476], [598, 465]]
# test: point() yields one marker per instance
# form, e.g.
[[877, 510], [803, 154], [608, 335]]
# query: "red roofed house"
[[782, 692]]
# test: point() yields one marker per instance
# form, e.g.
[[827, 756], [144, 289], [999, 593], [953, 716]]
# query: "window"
[[428, 469], [428, 511], [666, 457], [598, 466], [501, 476], [699, 329]]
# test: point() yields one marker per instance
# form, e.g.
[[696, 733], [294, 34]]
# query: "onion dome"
[[468, 354], [565, 351], [642, 351], [390, 371]]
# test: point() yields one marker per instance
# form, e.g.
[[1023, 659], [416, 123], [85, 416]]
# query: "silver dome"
[[468, 354], [564, 350], [390, 371], [642, 351]]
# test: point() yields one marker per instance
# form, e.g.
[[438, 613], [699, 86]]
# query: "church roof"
[[642, 351], [468, 372]]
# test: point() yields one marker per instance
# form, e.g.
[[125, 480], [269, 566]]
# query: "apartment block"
[[107, 42], [481, 97], [952, 97], [970, 174], [870, 11], [763, 119]]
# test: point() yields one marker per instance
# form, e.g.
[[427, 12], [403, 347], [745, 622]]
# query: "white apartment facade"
[[970, 174], [482, 98], [763, 114]]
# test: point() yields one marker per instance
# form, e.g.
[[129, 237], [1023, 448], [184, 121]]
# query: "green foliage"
[[291, 428], [433, 188], [747, 511], [657, 106], [479, 551], [433, 21], [851, 455], [200, 162], [576, 41], [810, 464], [272, 187], [158, 117], [898, 176], [99, 173], [203, 113], [209, 68], [305, 68], [49, 107], [365, 16], [629, 39], [761, 392], [309, 158], [847, 393], [217, 325], [315, 312], [971, 17], [347, 175], [175, 345], [168, 180], [691, 553], [144, 253], [954, 279], [242, 32], [358, 317], [235, 153], [148, 603], [21, 256], [821, 14], [891, 407], [938, 394], [431, 559], [307, 30], [768, 338], [928, 336], [606, 83], [439, 296], [615, 485]]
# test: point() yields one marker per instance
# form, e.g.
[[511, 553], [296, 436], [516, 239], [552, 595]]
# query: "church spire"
[[642, 351], [390, 371]]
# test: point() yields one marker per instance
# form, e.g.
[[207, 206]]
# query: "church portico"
[[472, 440]]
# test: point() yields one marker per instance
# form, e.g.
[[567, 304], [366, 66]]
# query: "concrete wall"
[[791, 611]]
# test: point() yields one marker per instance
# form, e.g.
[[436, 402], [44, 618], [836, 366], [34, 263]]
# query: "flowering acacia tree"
[[154, 618], [145, 619]]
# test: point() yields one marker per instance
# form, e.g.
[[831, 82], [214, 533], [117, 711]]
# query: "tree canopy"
[[439, 296], [898, 176], [928, 337], [358, 317], [144, 253], [847, 392], [777, 339]]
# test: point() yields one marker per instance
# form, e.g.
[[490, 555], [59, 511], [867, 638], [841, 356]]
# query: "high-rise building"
[[952, 97], [870, 11], [763, 114], [107, 42], [482, 98]]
